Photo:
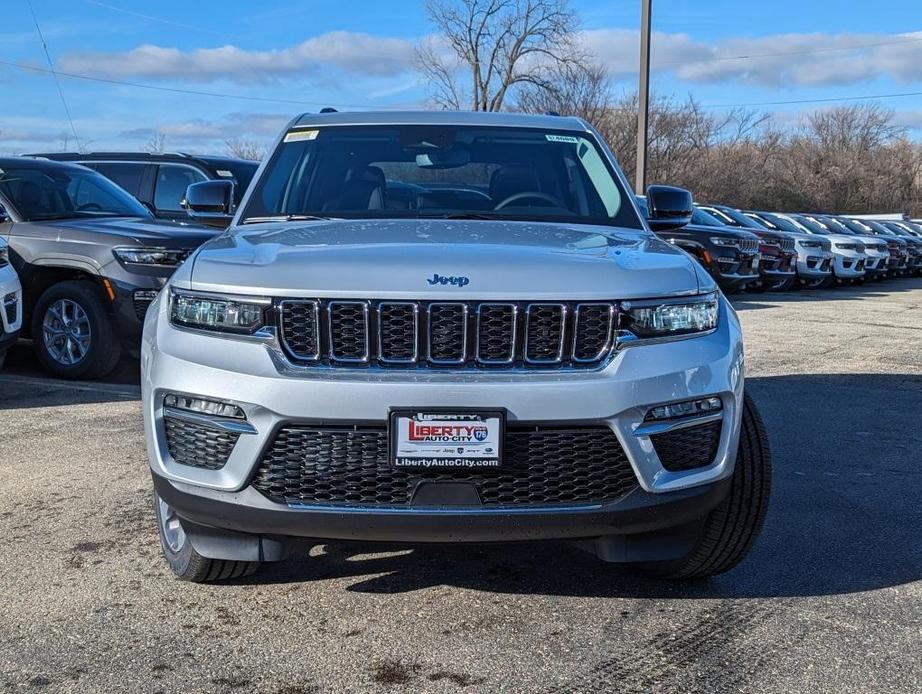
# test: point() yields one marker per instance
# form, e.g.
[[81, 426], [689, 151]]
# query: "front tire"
[[730, 530], [187, 564], [72, 332]]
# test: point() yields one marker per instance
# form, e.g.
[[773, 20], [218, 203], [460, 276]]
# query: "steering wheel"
[[543, 197], [90, 207]]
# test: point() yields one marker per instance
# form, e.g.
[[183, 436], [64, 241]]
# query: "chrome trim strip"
[[612, 311], [349, 360], [514, 331], [653, 428], [563, 331], [465, 316], [442, 511], [235, 426], [380, 329], [281, 319]]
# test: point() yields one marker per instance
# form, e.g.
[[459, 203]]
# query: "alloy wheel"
[[66, 332], [173, 534]]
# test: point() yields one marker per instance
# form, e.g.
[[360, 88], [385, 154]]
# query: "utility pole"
[[643, 96]]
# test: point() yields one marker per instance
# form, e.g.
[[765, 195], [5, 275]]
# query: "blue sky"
[[358, 54]]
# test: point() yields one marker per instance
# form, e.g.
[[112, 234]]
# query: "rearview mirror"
[[670, 207], [211, 203]]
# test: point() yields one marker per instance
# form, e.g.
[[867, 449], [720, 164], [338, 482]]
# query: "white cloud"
[[814, 59], [344, 51]]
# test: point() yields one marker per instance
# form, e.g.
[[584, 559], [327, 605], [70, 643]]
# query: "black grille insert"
[[447, 334], [199, 446], [350, 466], [687, 449]]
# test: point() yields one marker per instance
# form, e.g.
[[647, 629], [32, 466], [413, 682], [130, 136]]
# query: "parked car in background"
[[160, 180], [848, 252], [731, 256], [91, 259], [10, 298], [814, 254], [778, 263], [513, 356], [913, 244], [898, 263], [876, 251]]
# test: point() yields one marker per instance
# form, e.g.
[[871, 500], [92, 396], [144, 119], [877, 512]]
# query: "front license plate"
[[446, 440]]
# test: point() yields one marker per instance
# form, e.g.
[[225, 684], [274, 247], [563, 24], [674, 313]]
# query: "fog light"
[[145, 294], [202, 406], [684, 409]]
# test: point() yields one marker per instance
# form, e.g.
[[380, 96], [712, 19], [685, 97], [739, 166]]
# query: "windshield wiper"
[[460, 215], [286, 218]]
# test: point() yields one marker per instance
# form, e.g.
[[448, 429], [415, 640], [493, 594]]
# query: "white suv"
[[447, 327], [10, 300]]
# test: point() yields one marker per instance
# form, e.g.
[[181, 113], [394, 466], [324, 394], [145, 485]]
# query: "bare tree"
[[156, 144], [572, 89], [485, 48], [245, 149]]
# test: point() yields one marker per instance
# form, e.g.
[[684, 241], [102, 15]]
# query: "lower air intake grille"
[[350, 466], [687, 449], [196, 445]]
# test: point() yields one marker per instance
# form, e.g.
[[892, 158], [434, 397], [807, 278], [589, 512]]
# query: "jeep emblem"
[[443, 279]]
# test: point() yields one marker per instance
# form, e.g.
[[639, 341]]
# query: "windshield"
[[783, 223], [835, 225], [40, 193], [812, 225], [372, 172], [706, 219]]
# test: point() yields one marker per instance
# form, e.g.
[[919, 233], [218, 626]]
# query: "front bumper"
[[814, 263], [848, 265], [254, 376], [732, 268], [11, 311], [775, 265]]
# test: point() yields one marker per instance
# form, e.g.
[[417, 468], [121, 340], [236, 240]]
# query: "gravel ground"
[[830, 600]]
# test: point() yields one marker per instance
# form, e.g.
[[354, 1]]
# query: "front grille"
[[749, 245], [142, 301], [350, 466], [192, 444], [439, 333], [788, 245], [686, 449]]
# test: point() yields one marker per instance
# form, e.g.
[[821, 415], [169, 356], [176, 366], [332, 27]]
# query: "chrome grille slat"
[[446, 334]]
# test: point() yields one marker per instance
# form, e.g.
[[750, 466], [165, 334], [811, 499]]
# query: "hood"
[[443, 259], [144, 232], [725, 231]]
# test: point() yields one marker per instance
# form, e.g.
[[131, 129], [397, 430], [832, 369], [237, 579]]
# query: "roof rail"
[[328, 109], [551, 113]]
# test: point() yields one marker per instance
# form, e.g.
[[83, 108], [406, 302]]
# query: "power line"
[[57, 82], [175, 90], [815, 101], [784, 53], [162, 20]]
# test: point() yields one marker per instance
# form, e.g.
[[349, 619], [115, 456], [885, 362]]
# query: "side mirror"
[[211, 203], [4, 215], [670, 207]]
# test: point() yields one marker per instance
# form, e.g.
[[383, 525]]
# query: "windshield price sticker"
[[445, 440]]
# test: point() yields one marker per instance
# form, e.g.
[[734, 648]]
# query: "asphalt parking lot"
[[830, 600]]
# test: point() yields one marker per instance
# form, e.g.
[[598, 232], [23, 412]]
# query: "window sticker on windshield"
[[562, 138], [225, 173], [301, 135]]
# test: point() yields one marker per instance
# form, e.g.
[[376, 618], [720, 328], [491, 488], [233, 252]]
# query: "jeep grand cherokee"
[[448, 327]]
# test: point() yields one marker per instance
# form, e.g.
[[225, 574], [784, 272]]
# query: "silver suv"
[[447, 327]]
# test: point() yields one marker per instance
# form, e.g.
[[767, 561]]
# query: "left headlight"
[[164, 257], [220, 313], [725, 241], [670, 317], [809, 244]]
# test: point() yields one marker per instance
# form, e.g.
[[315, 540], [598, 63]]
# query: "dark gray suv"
[[91, 259]]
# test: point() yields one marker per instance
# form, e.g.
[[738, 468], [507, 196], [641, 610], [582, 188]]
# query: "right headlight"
[[670, 317], [725, 241], [809, 244], [217, 312]]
